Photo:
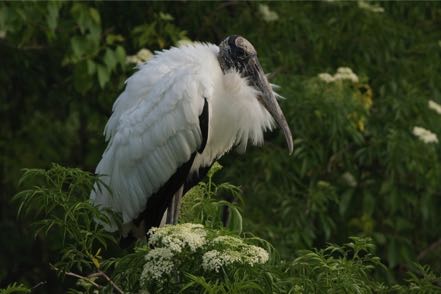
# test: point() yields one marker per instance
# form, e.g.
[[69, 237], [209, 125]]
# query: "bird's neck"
[[223, 62]]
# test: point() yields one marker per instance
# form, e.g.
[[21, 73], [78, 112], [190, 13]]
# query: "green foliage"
[[15, 288], [188, 257], [160, 30], [338, 269], [61, 202], [184, 255], [202, 206]]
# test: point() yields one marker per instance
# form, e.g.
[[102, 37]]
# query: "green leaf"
[[95, 15], [165, 16], [103, 75], [91, 67], [82, 81], [15, 288], [52, 15], [344, 202], [110, 60], [120, 54], [79, 13], [77, 45], [111, 38], [236, 221]]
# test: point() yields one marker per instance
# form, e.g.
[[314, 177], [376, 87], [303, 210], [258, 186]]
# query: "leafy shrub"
[[191, 257]]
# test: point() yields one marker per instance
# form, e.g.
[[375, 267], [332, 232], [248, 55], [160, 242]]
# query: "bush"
[[189, 257]]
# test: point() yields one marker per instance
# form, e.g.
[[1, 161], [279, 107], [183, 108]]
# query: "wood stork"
[[181, 111]]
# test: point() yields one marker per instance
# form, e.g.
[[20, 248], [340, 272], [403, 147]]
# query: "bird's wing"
[[154, 129]]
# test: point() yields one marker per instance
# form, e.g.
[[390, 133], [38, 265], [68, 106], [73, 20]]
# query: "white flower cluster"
[[184, 42], [255, 255], [214, 260], [425, 135], [232, 250], [174, 244], [179, 236], [229, 241], [267, 14], [139, 58], [435, 106], [370, 7], [159, 262], [343, 73], [349, 179]]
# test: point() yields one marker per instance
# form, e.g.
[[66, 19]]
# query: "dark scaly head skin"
[[237, 53], [234, 53]]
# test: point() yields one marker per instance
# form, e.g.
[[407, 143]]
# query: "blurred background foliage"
[[357, 169]]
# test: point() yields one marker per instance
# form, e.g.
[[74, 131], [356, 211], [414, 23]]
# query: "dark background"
[[357, 169]]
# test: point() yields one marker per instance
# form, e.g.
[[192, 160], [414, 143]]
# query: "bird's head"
[[237, 53]]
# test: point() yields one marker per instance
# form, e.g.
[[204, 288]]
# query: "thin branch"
[[103, 274], [99, 273], [426, 251], [77, 276], [39, 284]]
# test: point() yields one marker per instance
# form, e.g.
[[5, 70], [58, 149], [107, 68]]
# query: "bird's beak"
[[267, 98]]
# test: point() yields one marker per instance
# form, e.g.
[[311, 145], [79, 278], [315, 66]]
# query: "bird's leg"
[[175, 207]]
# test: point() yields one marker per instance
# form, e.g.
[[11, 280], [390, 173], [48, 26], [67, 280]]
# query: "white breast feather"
[[154, 127]]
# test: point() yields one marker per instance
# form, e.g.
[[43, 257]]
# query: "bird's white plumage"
[[154, 127]]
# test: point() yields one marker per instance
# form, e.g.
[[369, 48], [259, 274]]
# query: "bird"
[[180, 112]]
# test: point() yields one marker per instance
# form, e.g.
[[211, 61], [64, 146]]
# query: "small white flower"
[[255, 254], [132, 59], [435, 106], [234, 250], [214, 260], [184, 42], [144, 54], [139, 58], [349, 179], [178, 236], [159, 263], [229, 241], [370, 7], [326, 77], [211, 261], [425, 135], [267, 14], [343, 73]]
